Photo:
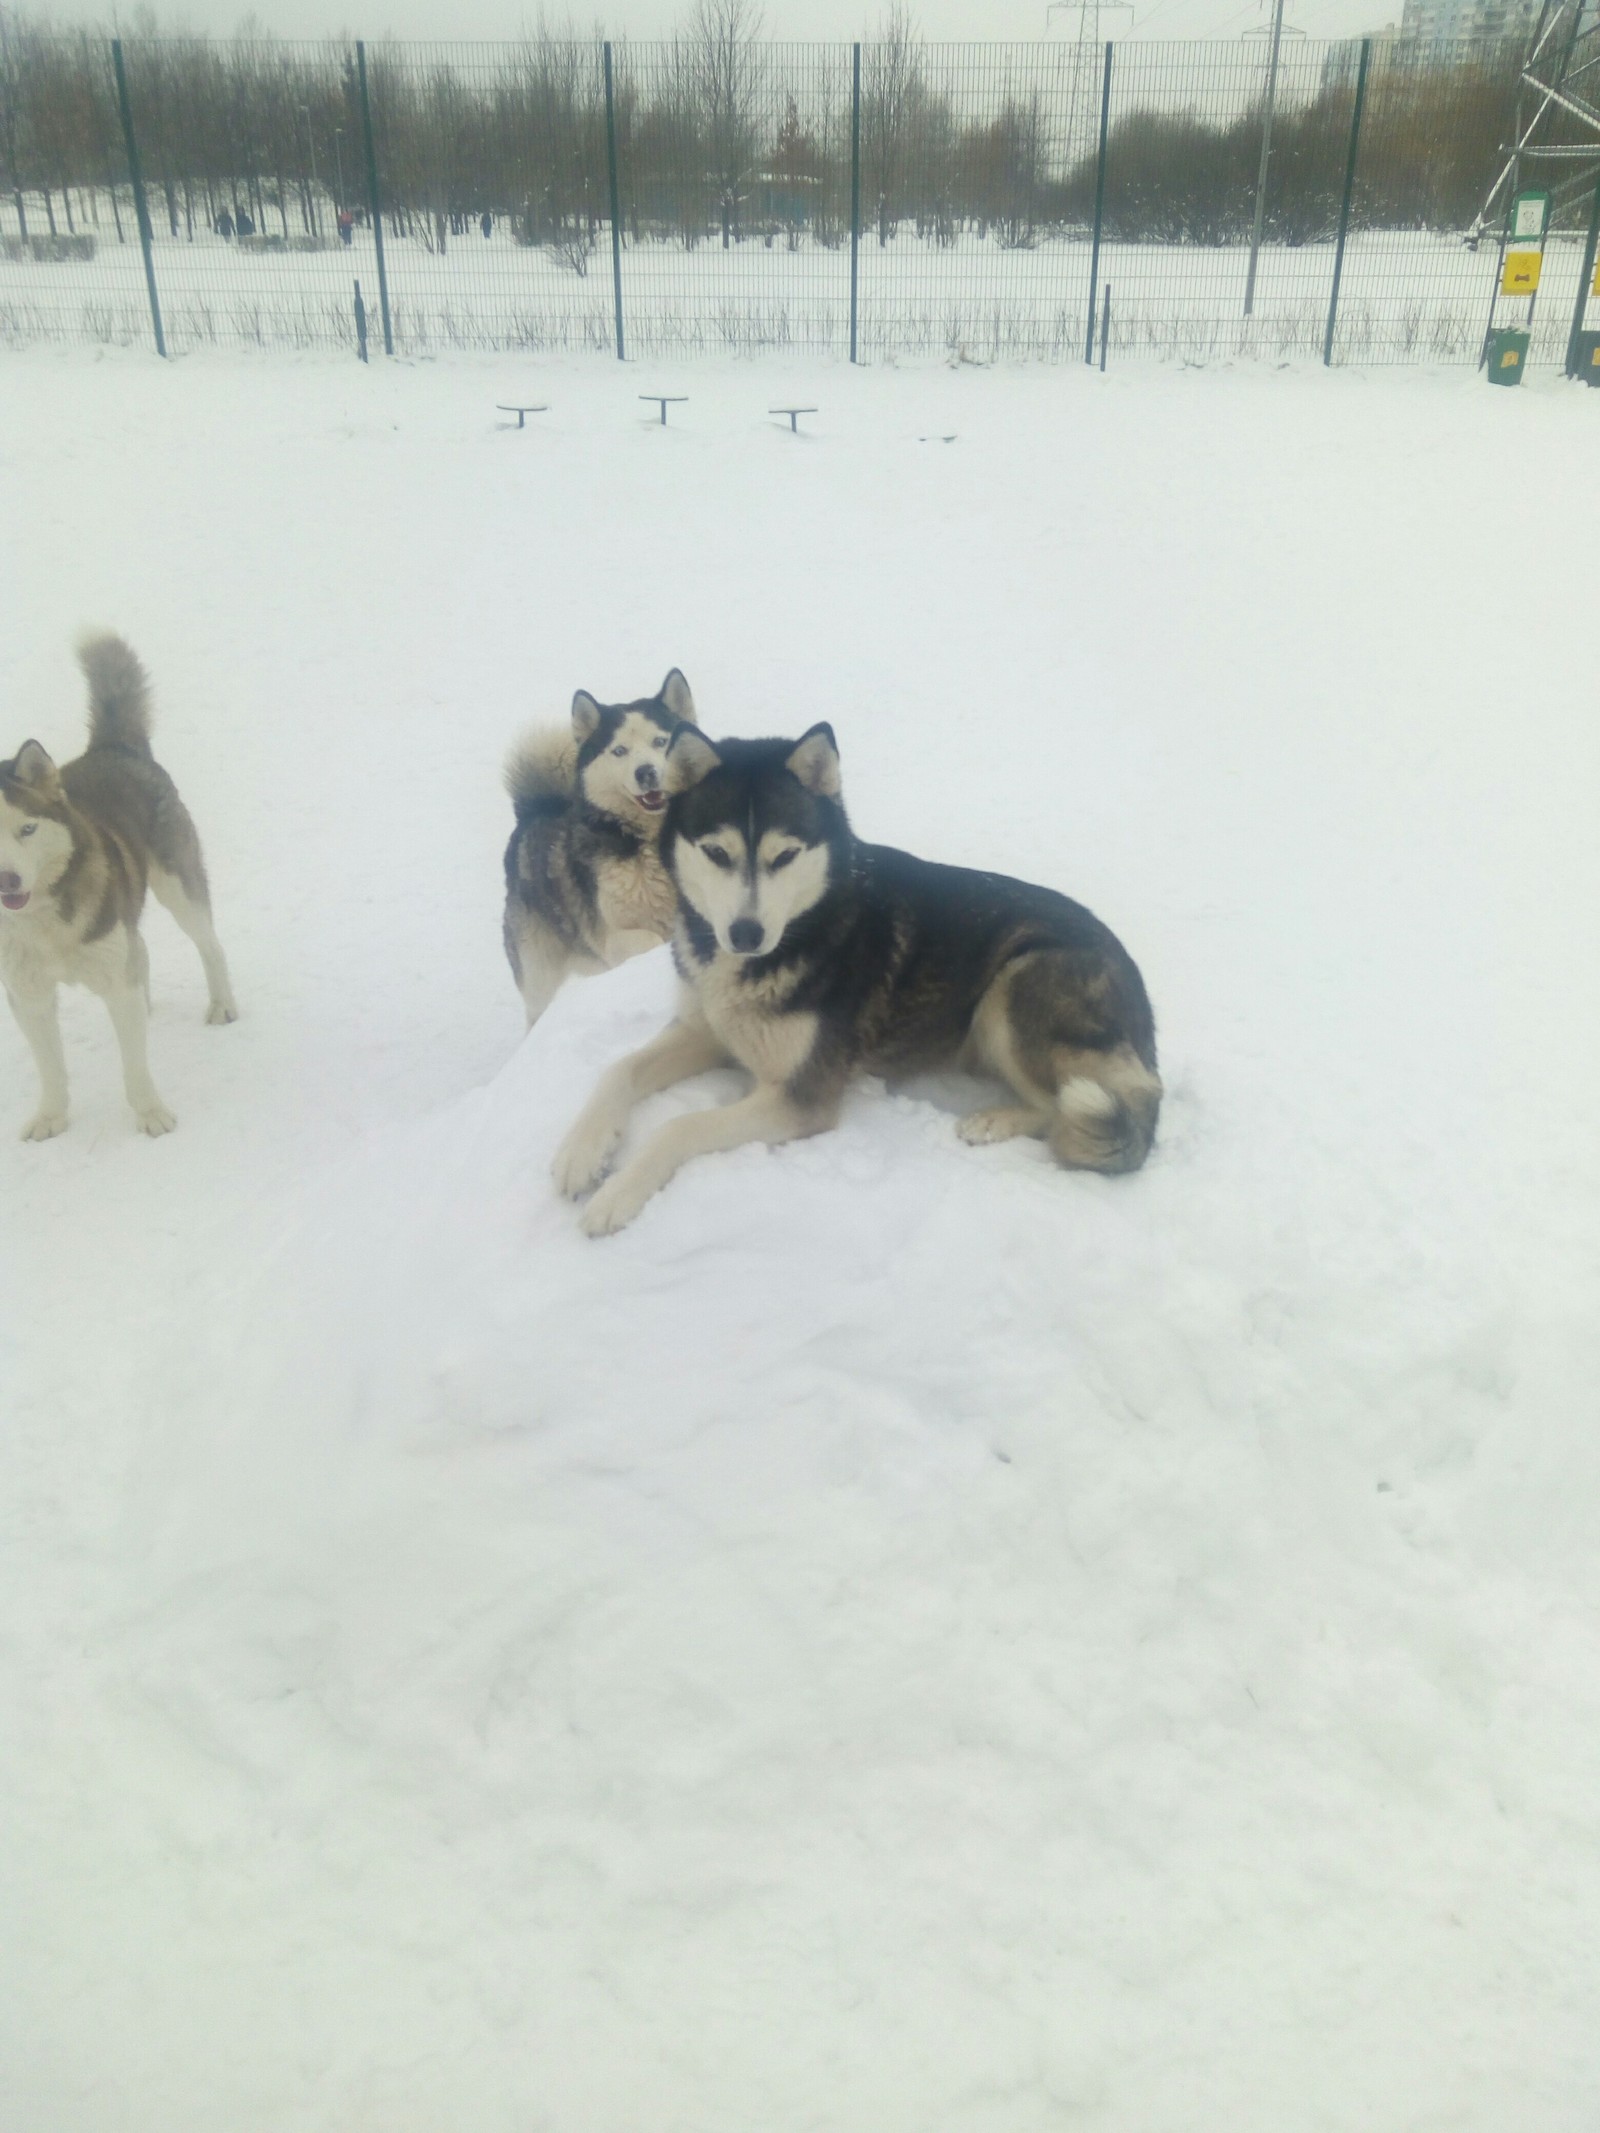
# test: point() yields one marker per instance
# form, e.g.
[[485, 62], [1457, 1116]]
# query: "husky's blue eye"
[[620, 749], [659, 742], [776, 865], [27, 829], [716, 855]]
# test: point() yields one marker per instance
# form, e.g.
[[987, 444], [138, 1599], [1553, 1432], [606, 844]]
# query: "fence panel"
[[247, 151], [734, 162], [972, 238], [1183, 164], [70, 265], [492, 160], [1415, 289]]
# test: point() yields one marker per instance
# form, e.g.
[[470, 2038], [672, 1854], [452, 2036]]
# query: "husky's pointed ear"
[[690, 757], [815, 762], [33, 768], [585, 716], [674, 693]]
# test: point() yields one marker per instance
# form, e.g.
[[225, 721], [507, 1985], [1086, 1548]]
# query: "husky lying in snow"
[[808, 958], [584, 883], [78, 846]]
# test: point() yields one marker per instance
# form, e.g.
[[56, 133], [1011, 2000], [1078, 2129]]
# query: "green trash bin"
[[1587, 358], [1508, 352]]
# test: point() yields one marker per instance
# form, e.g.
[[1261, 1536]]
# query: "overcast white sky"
[[939, 19]]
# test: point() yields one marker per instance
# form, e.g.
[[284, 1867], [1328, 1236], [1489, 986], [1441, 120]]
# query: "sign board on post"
[[1521, 276], [1530, 216]]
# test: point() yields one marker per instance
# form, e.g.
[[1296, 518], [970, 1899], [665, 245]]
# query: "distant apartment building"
[[1446, 21]]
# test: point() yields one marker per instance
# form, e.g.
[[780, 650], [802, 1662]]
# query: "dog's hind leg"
[[125, 1005], [1107, 1105], [1047, 1027], [190, 905], [39, 1023], [538, 961]]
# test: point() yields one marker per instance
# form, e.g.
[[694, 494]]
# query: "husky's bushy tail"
[[119, 692], [1106, 1111], [541, 771]]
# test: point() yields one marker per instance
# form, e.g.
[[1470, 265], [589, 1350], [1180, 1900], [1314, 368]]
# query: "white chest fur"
[[752, 1018], [38, 951], [636, 895]]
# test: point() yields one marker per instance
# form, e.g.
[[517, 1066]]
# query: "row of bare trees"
[[722, 138]]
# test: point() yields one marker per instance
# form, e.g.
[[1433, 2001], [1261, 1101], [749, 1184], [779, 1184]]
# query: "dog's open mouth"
[[652, 802], [15, 899]]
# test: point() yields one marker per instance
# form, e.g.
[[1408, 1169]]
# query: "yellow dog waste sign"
[[1521, 276]]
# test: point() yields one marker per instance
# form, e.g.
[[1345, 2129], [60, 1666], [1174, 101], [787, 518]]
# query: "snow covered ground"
[[902, 1640]]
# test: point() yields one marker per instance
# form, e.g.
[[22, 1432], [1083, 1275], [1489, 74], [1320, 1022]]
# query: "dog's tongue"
[[16, 902]]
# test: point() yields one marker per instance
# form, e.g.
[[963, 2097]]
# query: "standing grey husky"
[[808, 958], [78, 847], [584, 883]]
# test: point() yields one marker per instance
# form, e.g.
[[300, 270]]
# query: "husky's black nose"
[[645, 777], [10, 884], [745, 935]]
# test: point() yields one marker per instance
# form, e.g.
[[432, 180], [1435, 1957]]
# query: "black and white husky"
[[808, 958], [584, 885]]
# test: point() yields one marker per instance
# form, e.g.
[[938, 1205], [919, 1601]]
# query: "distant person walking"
[[347, 224], [486, 222], [224, 224], [244, 224]]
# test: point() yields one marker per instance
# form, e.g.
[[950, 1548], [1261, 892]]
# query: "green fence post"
[[141, 206], [616, 198], [1349, 194], [374, 198], [1591, 245], [1099, 204], [855, 191]]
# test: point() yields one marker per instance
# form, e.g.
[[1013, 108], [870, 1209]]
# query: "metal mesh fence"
[[894, 198], [241, 149], [733, 167], [64, 245], [493, 179]]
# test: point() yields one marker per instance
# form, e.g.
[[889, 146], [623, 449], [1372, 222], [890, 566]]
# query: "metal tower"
[[1560, 80]]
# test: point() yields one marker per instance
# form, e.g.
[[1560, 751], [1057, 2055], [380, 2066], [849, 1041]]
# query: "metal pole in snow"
[[374, 198], [616, 200], [855, 191], [1349, 193], [140, 204], [1266, 157], [1099, 202], [1591, 244]]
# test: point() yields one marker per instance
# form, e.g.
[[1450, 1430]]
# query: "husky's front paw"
[[584, 1156], [45, 1125], [615, 1205], [223, 1011], [155, 1119], [1007, 1122]]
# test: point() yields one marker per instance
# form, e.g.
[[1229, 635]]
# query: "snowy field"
[[1406, 297], [902, 1640]]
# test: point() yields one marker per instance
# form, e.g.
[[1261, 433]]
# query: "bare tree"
[[729, 69], [892, 96]]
